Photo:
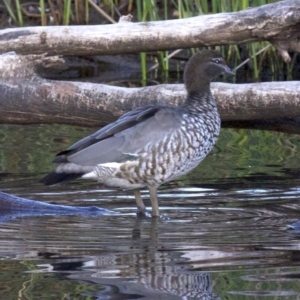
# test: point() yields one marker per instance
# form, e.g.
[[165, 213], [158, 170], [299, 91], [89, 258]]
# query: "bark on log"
[[26, 98], [278, 23]]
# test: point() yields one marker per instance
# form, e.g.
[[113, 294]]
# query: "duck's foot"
[[142, 214], [154, 201], [141, 208], [141, 211]]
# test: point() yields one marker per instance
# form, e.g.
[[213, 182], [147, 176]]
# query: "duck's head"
[[202, 68]]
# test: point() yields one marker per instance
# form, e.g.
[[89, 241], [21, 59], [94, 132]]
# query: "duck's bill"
[[228, 71]]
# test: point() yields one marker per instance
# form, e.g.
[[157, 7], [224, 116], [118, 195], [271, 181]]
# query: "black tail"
[[53, 177]]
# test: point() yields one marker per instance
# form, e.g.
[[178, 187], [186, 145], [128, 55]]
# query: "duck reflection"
[[148, 270], [126, 257]]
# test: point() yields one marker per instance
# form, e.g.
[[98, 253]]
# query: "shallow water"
[[223, 231]]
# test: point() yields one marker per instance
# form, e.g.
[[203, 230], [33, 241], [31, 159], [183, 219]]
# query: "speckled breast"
[[179, 152]]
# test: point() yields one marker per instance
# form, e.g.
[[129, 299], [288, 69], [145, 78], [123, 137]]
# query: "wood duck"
[[154, 144]]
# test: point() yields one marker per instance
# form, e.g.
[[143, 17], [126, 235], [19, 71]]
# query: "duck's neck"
[[200, 101]]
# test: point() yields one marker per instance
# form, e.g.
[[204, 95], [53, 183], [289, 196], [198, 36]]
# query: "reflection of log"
[[27, 98], [278, 23]]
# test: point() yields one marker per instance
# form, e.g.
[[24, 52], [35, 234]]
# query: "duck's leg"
[[154, 201], [139, 202]]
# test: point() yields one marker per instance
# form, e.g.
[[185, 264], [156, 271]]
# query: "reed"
[[10, 11], [67, 12], [43, 13], [19, 13]]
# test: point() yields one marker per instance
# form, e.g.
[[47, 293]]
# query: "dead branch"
[[278, 23]]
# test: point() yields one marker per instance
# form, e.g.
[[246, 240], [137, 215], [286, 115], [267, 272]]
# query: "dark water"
[[223, 232]]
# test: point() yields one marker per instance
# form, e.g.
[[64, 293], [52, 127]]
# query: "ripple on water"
[[223, 230]]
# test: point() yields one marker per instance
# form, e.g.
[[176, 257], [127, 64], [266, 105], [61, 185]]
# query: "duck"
[[153, 144]]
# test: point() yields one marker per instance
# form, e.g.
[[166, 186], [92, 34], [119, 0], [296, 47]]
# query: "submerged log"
[[12, 207], [278, 23], [26, 98]]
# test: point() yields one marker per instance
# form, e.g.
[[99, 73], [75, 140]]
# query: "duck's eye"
[[216, 60]]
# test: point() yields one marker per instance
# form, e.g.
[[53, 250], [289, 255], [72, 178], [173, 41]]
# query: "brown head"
[[202, 68]]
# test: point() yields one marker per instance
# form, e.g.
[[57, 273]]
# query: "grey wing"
[[150, 132], [125, 121], [122, 139]]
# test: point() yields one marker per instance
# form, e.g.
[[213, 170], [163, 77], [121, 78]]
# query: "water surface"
[[222, 235]]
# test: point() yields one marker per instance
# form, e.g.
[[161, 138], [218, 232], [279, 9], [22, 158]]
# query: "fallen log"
[[26, 98], [278, 23]]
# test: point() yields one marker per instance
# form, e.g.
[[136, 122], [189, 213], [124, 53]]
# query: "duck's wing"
[[120, 140], [117, 142], [127, 120]]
